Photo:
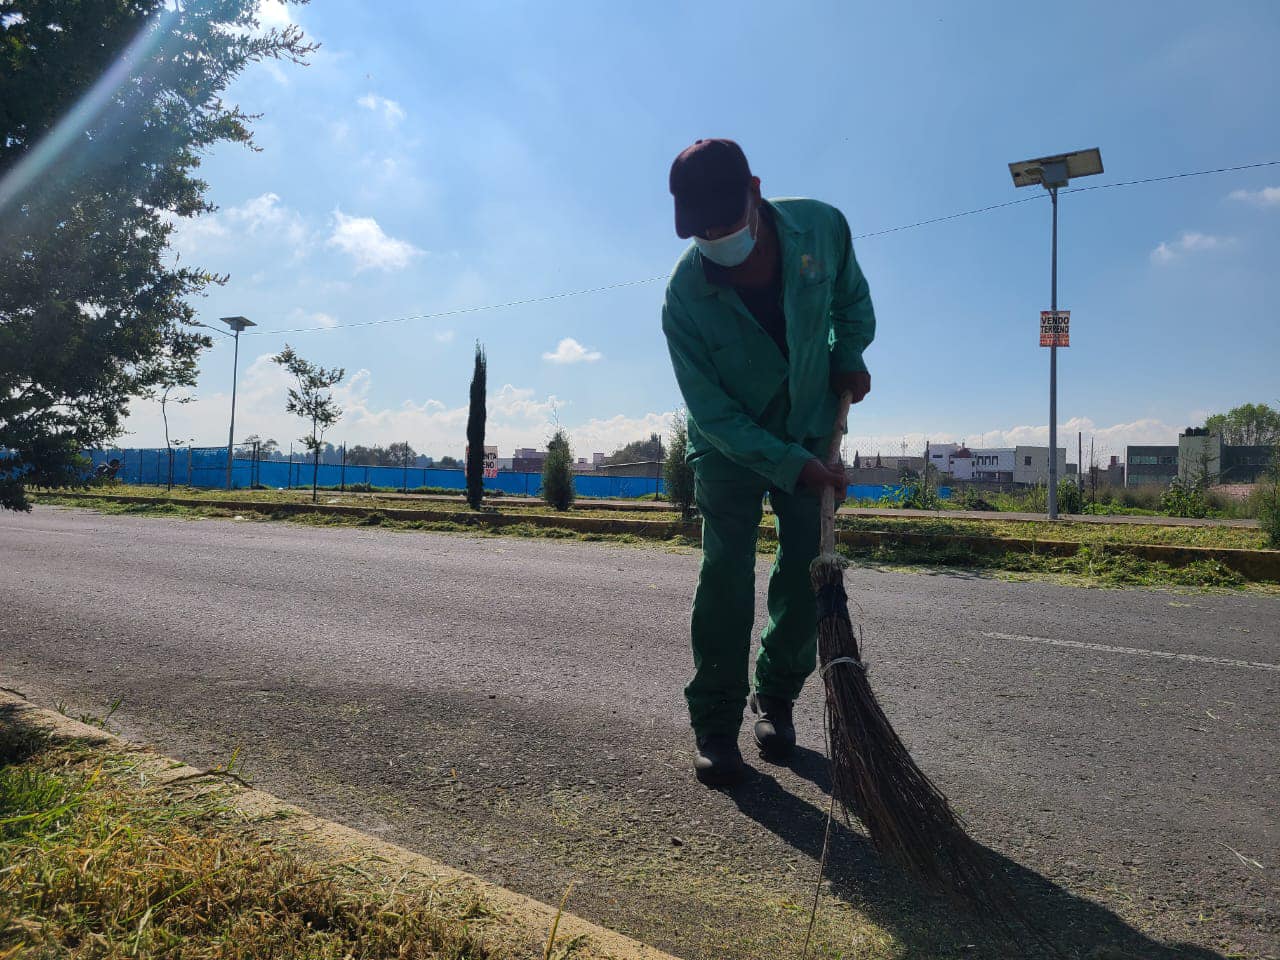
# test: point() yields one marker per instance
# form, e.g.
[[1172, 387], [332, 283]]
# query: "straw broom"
[[873, 776]]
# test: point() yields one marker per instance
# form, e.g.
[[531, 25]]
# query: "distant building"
[[1245, 464], [1148, 464], [992, 464], [528, 460], [638, 468], [914, 464], [960, 464], [597, 458], [1199, 456], [1203, 456], [1031, 464], [1111, 475], [939, 455]]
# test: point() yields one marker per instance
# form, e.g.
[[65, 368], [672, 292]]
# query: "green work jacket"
[[744, 399]]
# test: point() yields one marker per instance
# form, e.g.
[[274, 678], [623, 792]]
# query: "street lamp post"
[[1052, 173], [236, 324]]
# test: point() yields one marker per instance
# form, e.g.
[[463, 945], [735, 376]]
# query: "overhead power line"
[[862, 236], [461, 310]]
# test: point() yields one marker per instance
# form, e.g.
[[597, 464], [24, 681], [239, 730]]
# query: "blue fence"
[[207, 467], [885, 491]]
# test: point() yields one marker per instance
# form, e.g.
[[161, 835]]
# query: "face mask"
[[731, 250]]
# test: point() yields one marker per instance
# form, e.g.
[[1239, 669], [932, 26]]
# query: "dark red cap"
[[709, 180]]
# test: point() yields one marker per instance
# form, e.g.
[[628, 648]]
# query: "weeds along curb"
[[519, 925], [1255, 565], [647, 529]]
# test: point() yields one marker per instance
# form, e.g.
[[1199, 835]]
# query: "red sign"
[[1055, 328], [490, 461]]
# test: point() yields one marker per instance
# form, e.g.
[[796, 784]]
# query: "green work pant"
[[730, 500]]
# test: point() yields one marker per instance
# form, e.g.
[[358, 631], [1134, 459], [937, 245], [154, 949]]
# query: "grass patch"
[[1091, 566], [379, 499], [94, 865], [1242, 538], [1094, 565]]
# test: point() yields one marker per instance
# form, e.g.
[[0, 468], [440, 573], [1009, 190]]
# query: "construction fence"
[[207, 467]]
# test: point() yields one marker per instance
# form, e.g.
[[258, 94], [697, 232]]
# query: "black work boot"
[[775, 732], [718, 762]]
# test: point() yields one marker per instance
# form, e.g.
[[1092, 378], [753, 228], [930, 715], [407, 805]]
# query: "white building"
[[992, 463], [960, 464], [938, 455], [1031, 464]]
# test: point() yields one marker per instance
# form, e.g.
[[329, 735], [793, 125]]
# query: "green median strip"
[[954, 543]]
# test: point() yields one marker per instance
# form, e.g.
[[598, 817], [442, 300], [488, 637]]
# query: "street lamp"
[[236, 324], [1052, 173]]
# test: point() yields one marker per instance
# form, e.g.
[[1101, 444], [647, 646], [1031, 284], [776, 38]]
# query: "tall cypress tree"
[[475, 432]]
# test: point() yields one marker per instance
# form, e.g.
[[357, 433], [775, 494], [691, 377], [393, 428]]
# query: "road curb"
[[1255, 565], [519, 920]]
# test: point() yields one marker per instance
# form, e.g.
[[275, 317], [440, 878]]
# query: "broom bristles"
[[874, 777]]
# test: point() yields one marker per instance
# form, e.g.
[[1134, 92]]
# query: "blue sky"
[[440, 157]]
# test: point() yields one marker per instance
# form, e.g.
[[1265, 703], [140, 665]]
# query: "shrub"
[[920, 496], [1069, 498], [1146, 497], [1268, 495], [676, 470], [557, 472], [1036, 499], [1183, 498]]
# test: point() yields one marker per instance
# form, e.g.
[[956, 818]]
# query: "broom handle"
[[827, 544]]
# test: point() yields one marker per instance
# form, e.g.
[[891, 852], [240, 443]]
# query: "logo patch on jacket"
[[810, 267]]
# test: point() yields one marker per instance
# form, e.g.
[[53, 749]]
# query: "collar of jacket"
[[789, 234]]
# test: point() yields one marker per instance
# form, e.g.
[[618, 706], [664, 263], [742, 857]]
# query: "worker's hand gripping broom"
[[872, 774]]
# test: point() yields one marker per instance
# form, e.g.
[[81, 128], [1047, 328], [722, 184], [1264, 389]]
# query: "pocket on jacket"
[[753, 382], [813, 298]]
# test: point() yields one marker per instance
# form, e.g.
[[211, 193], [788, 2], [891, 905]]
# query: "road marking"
[[1136, 651]]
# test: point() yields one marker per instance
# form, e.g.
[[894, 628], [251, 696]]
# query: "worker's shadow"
[[1073, 926]]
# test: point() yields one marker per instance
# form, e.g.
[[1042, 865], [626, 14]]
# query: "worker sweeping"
[[767, 316]]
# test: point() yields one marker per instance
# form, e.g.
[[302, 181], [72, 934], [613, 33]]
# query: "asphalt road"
[[513, 707]]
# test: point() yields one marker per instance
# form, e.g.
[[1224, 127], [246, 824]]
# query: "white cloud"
[[1189, 242], [273, 14], [1266, 197], [520, 403], [517, 418], [301, 318], [368, 245], [570, 350], [444, 336], [391, 111], [261, 217], [1107, 440], [275, 71]]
